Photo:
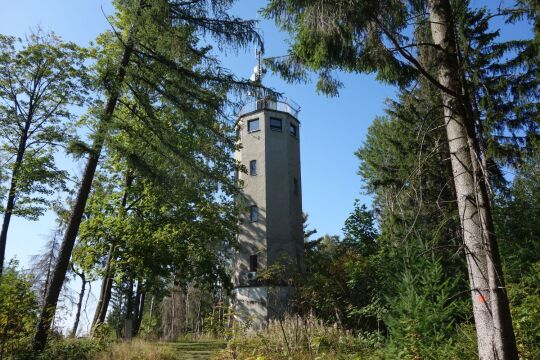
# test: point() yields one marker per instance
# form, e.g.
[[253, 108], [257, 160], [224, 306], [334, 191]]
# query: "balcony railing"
[[285, 105]]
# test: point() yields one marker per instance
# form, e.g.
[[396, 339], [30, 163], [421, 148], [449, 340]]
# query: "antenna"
[[258, 70]]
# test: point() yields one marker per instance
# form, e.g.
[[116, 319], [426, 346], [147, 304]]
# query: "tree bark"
[[140, 312], [79, 303], [128, 320], [105, 293], [490, 304], [59, 274]]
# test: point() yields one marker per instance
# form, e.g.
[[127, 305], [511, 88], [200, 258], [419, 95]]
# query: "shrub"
[[18, 311], [79, 349]]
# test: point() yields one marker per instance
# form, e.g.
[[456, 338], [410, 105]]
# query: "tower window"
[[253, 263], [253, 213], [253, 125], [275, 124], [295, 186], [253, 167], [293, 130]]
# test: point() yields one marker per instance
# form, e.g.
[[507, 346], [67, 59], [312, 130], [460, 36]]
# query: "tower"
[[271, 233]]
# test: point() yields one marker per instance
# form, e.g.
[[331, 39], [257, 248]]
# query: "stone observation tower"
[[271, 234]]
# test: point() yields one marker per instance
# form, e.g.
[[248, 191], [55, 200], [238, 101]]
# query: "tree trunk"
[[490, 304], [79, 303], [108, 278], [140, 312], [128, 320], [59, 274], [105, 293], [10, 204]]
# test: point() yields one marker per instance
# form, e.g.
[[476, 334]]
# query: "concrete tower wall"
[[277, 235], [284, 225]]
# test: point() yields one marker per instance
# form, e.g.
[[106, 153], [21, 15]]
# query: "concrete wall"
[[252, 236], [284, 224], [277, 236]]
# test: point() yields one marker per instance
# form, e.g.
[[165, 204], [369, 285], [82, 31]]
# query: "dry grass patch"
[[144, 350]]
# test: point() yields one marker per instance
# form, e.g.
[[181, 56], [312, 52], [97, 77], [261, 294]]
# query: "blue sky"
[[331, 131], [332, 128]]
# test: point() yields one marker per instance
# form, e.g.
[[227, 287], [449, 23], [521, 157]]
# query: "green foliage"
[[350, 36], [359, 230], [41, 77], [339, 285], [519, 245], [18, 310], [525, 306], [423, 309], [67, 349]]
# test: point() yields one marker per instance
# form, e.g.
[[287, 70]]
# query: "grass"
[[145, 350], [303, 338]]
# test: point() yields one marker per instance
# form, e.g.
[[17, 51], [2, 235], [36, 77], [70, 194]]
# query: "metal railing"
[[285, 105]]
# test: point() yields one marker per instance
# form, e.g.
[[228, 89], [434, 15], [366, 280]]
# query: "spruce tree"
[[163, 35], [371, 36]]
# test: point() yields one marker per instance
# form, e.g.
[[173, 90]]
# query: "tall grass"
[[296, 337], [136, 349]]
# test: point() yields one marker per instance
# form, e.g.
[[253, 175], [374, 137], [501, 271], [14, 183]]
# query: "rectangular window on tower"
[[253, 263], [253, 213], [293, 130], [295, 186], [275, 124], [253, 125], [253, 167]]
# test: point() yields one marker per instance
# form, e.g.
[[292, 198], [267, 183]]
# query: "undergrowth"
[[297, 337]]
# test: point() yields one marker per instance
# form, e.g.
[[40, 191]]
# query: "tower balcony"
[[284, 105]]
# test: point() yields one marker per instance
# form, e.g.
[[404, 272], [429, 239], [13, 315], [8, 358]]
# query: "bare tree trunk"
[[49, 267], [128, 320], [79, 303], [197, 326], [186, 299], [173, 314], [151, 309], [490, 304], [59, 274], [140, 311]]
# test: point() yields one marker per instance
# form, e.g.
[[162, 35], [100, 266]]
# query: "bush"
[[76, 349], [18, 312]]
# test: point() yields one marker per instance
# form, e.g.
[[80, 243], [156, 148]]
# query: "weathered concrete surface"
[[277, 236]]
